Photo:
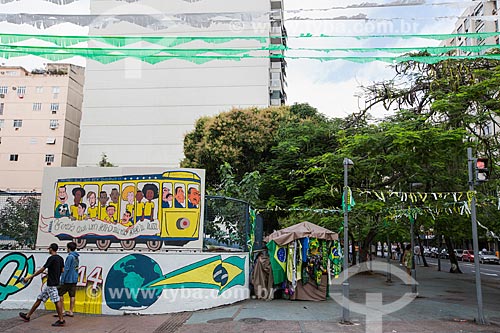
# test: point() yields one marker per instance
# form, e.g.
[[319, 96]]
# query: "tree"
[[240, 137], [455, 96], [104, 163], [19, 220]]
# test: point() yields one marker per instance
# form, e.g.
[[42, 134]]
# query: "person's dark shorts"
[[69, 288]]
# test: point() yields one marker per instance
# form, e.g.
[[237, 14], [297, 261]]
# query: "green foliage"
[[291, 157], [19, 220], [104, 163], [240, 137], [228, 212]]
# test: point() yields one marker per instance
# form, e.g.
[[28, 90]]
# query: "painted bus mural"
[[124, 211]]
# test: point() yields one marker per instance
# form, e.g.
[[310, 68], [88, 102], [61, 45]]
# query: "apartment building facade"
[[471, 22], [40, 113], [138, 114]]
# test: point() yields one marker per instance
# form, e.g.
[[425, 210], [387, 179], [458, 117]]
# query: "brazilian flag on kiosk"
[[277, 256]]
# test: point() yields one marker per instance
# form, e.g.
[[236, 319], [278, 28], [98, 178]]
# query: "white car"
[[488, 257]]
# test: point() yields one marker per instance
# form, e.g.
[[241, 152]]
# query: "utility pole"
[[345, 284], [472, 180]]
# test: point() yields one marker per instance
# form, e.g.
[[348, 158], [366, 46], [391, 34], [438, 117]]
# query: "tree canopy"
[[19, 220], [438, 111]]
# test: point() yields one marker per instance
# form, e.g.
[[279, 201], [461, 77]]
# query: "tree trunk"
[[364, 250], [353, 247], [453, 259], [422, 251]]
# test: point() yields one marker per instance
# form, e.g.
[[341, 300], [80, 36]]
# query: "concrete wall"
[[138, 114], [145, 283], [166, 226]]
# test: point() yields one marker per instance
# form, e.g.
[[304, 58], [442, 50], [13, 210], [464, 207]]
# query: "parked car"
[[458, 253], [468, 255], [488, 257], [444, 254], [433, 252]]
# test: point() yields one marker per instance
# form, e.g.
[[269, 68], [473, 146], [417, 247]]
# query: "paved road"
[[446, 303], [492, 270]]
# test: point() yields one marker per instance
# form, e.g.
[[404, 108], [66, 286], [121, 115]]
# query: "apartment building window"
[[39, 90], [1, 123], [54, 107], [56, 91], [4, 90], [49, 158], [12, 73], [51, 141], [17, 123], [2, 106], [33, 141], [54, 123], [14, 157], [275, 80], [37, 106], [21, 90]]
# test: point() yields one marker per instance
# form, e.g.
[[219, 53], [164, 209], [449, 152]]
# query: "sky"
[[332, 86]]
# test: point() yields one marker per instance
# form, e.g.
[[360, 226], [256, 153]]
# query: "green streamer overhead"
[[171, 41]]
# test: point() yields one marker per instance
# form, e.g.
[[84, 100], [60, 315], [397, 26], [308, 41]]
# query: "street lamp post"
[[345, 284], [412, 242]]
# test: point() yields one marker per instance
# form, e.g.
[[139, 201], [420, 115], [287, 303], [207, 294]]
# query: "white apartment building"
[[40, 114], [470, 22], [138, 114]]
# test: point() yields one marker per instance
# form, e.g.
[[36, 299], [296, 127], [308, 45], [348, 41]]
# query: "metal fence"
[[15, 196]]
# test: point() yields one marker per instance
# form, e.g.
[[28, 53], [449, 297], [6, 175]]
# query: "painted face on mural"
[[78, 193], [103, 198], [194, 196], [139, 196], [114, 195], [110, 210], [150, 194], [81, 210], [165, 193], [130, 197], [62, 195], [126, 216], [179, 194], [92, 199]]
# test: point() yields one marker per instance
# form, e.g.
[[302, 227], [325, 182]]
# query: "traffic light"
[[482, 173]]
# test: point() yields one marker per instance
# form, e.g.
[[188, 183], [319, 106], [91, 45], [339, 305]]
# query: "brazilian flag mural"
[[211, 273]]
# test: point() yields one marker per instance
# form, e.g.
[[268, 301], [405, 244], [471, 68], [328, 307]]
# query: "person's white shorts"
[[49, 292]]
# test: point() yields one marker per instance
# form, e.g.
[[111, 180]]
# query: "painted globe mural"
[[125, 281]]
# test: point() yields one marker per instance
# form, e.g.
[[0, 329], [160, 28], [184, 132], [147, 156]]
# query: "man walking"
[[69, 278], [54, 266]]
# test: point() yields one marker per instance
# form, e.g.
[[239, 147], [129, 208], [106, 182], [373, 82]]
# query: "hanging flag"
[[350, 200], [277, 256]]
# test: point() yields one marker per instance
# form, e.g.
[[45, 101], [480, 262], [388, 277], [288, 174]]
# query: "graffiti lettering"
[[24, 267], [152, 226], [66, 227]]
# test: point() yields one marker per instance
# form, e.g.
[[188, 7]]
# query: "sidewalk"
[[445, 303]]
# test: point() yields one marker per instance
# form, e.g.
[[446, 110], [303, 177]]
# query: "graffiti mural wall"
[[151, 283], [122, 208]]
